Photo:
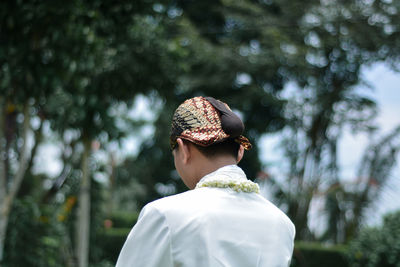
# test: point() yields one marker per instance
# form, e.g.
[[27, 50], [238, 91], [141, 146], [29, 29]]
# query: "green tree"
[[42, 231], [334, 54], [74, 64], [71, 66], [377, 246], [245, 52], [347, 206]]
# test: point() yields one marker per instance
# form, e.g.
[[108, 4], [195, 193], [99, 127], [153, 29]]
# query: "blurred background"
[[87, 93]]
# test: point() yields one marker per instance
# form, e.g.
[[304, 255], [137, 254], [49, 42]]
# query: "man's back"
[[221, 227], [209, 227]]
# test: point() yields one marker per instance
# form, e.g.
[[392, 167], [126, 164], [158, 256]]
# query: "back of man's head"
[[210, 125]]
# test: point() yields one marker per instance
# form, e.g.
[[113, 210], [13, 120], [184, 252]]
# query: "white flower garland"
[[237, 185]]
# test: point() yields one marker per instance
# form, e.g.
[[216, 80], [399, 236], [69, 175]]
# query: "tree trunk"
[[4, 215], [110, 206], [83, 227], [3, 190], [24, 158], [9, 190]]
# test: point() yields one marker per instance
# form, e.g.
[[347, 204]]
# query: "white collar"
[[226, 172], [230, 176]]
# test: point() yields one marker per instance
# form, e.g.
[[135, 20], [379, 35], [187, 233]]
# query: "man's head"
[[205, 136]]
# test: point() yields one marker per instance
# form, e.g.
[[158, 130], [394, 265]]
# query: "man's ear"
[[240, 154], [184, 149]]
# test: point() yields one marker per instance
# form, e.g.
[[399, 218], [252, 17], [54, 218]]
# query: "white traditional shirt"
[[210, 227]]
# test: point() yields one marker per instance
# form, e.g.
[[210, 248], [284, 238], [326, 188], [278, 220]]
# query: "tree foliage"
[[67, 68], [70, 73], [377, 246]]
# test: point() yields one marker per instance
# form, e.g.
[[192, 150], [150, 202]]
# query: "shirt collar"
[[229, 172]]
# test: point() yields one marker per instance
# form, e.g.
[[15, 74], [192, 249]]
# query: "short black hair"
[[226, 147]]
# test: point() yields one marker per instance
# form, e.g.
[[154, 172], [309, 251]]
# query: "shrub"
[[111, 241], [33, 237], [315, 255], [122, 219], [378, 247], [111, 236]]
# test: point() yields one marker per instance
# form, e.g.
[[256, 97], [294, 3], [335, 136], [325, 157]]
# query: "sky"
[[385, 90]]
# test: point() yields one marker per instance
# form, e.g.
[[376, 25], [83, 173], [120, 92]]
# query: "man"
[[223, 220]]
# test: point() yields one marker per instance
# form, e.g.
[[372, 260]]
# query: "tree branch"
[[23, 161], [3, 189]]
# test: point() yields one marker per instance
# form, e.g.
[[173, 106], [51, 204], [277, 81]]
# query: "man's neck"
[[210, 165]]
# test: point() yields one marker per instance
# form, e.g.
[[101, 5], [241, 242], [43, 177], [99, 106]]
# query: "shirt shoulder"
[[175, 202], [206, 200]]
